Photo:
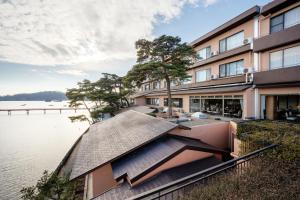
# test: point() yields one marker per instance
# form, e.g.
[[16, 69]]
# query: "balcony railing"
[[182, 187]]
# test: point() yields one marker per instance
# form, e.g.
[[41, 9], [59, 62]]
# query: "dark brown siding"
[[289, 75], [276, 5], [281, 38]]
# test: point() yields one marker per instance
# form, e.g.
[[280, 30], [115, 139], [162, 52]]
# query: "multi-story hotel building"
[[249, 67]]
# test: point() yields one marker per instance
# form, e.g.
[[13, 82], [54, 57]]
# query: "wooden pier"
[[27, 110]]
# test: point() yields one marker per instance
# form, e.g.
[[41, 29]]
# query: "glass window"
[[277, 24], [203, 75], [204, 53], [240, 67], [176, 102], [231, 69], [194, 103], [187, 80], [235, 41], [286, 20], [285, 58], [231, 42], [222, 45], [292, 56], [173, 83], [152, 101], [292, 17], [147, 86], [156, 85], [222, 70], [276, 60]]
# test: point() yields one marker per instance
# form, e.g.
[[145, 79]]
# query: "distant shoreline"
[[48, 96]]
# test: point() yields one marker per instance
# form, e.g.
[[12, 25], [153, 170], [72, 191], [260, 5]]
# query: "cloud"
[[72, 72], [83, 34], [207, 3]]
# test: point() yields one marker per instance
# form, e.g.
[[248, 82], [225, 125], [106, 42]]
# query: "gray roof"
[[155, 153], [110, 139], [141, 109], [137, 162], [124, 190]]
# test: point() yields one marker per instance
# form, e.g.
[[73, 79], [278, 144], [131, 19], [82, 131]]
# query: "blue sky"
[[52, 46]]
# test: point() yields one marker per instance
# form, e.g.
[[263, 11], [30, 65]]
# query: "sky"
[[53, 44]]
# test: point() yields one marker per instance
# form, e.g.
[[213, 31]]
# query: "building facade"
[[249, 67]]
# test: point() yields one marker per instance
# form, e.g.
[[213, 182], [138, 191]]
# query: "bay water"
[[30, 144]]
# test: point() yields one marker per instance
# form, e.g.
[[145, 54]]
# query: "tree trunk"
[[169, 97], [127, 102], [89, 110]]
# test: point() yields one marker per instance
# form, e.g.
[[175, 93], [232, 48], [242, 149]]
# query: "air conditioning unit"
[[214, 53], [214, 76], [247, 41], [251, 70]]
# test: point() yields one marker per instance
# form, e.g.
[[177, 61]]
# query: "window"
[[156, 84], [276, 24], [176, 102], [204, 53], [276, 59], [173, 83], [231, 69], [203, 75], [187, 80], [231, 42], [285, 58], [152, 101], [195, 104], [292, 17], [147, 86], [285, 20], [292, 56]]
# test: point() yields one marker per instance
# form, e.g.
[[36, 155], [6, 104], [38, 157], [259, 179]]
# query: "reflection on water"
[[29, 144]]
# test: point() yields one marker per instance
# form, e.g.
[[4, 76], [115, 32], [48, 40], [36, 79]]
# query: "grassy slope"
[[275, 175]]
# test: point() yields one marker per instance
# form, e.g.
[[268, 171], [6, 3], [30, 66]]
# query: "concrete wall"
[[184, 157], [234, 142], [216, 134], [249, 107], [103, 179]]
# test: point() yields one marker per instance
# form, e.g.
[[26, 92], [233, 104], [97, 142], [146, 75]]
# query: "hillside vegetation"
[[37, 96], [275, 175]]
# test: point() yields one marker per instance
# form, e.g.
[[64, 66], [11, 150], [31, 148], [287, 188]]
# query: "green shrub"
[[275, 175]]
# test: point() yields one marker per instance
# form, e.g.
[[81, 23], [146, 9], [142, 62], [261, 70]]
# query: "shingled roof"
[[124, 190], [106, 141], [155, 153]]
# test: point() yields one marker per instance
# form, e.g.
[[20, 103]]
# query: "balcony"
[[228, 84], [278, 39], [214, 82], [283, 76], [222, 56]]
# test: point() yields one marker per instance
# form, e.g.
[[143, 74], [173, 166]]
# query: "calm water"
[[29, 144]]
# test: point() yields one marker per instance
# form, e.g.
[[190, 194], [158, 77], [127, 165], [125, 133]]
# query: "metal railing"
[[180, 188]]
